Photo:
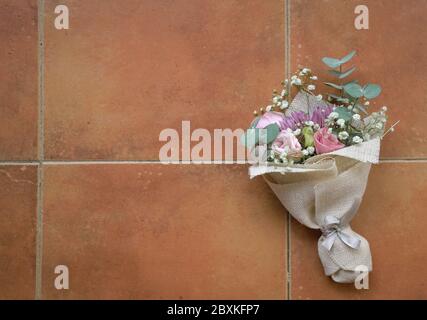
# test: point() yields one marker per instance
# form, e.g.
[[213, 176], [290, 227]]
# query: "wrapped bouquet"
[[315, 152]]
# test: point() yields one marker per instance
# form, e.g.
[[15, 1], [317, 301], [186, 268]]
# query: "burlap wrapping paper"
[[325, 193]]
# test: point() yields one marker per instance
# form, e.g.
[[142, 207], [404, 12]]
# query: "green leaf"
[[333, 85], [347, 73], [331, 62], [371, 91], [354, 90], [342, 75], [338, 98], [348, 57], [254, 122], [353, 81], [334, 63], [272, 132], [250, 138], [308, 136], [344, 113], [255, 136]]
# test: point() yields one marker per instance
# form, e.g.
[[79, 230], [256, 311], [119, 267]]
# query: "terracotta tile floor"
[[18, 80], [81, 185]]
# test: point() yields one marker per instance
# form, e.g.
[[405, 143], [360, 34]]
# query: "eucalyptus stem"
[[355, 102]]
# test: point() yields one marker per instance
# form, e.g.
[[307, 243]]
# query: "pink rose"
[[287, 142], [325, 142], [271, 117]]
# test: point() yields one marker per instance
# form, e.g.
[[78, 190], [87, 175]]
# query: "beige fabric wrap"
[[331, 184]]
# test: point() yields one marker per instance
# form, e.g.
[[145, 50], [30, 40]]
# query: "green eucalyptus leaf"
[[371, 91], [272, 132], [250, 138], [338, 98], [354, 90], [344, 113], [343, 100], [348, 57], [255, 136], [347, 73], [255, 122], [331, 62], [333, 85], [342, 75], [353, 81]]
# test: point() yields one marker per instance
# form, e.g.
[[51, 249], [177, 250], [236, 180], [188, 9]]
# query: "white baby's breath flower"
[[367, 103], [276, 99], [268, 108], [289, 130], [343, 135], [341, 123], [319, 97], [297, 132], [357, 139], [330, 130], [350, 108], [379, 125], [310, 150], [284, 104], [305, 152], [296, 82], [309, 123], [356, 117], [294, 77], [384, 108], [311, 87], [283, 93], [316, 126], [333, 115], [306, 70], [313, 77]]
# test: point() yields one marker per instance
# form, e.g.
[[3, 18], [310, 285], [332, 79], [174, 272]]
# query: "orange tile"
[[390, 53], [18, 201], [155, 231], [126, 70], [392, 218], [18, 80]]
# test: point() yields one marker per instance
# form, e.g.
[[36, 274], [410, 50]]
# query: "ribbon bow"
[[331, 231]]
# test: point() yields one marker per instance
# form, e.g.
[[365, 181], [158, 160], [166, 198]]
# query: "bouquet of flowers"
[[315, 152]]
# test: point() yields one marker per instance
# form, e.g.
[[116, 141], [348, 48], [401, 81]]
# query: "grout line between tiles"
[[77, 162], [39, 230], [288, 75], [99, 162], [40, 185]]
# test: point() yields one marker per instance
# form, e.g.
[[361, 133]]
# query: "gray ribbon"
[[331, 231]]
